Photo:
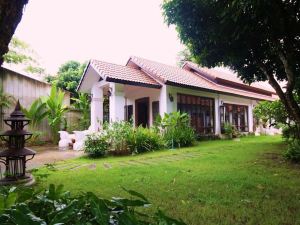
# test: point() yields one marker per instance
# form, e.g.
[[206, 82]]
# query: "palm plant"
[[82, 103], [36, 113], [55, 110], [5, 100]]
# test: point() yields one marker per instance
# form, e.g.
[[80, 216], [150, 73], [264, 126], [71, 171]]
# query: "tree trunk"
[[11, 12], [287, 97]]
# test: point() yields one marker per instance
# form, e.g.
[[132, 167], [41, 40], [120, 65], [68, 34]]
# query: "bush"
[[121, 135], [36, 139], [96, 145], [176, 130], [290, 132], [293, 151], [230, 131], [55, 206], [146, 140]]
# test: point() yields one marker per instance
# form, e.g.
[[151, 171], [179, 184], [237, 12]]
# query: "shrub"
[[146, 140], [36, 138], [121, 135], [290, 132], [55, 206], [293, 151], [230, 131], [96, 145], [176, 130]]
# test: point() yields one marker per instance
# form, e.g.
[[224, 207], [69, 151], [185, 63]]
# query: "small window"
[[128, 110], [155, 110]]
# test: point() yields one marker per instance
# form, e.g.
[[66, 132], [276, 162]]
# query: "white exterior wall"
[[116, 102]]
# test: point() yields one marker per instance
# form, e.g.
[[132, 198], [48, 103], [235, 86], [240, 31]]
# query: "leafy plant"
[[82, 103], [5, 100], [230, 131], [290, 132], [145, 140], [36, 113], [55, 206], [36, 138], [55, 110], [121, 136], [176, 129], [96, 145], [293, 151]]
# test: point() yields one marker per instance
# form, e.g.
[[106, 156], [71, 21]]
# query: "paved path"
[[50, 154], [47, 155]]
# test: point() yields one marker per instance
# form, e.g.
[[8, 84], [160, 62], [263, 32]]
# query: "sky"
[[107, 30]]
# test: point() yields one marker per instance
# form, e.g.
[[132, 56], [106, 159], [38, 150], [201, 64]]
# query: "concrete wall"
[[26, 90]]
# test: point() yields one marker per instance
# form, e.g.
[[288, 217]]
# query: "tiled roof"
[[227, 74], [123, 74], [177, 76], [172, 74]]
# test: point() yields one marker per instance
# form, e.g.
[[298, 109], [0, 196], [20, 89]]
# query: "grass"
[[226, 182]]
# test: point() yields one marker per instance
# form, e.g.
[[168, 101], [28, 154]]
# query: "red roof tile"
[[123, 74], [177, 76], [226, 74]]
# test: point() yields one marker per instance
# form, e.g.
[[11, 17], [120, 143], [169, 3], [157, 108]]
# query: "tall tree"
[[258, 39], [21, 53], [68, 76], [11, 12]]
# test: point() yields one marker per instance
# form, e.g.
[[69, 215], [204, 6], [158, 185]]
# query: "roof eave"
[[134, 83], [213, 91], [83, 76]]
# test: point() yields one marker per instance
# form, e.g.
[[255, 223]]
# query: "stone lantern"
[[15, 155]]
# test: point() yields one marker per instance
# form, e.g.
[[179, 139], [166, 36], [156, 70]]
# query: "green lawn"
[[215, 182]]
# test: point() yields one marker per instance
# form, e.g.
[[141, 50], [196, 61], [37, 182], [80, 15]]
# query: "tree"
[[21, 53], [11, 12], [184, 56], [258, 39], [68, 76]]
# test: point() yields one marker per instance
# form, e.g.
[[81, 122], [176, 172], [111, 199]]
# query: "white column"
[[217, 116], [96, 108], [250, 117], [165, 105], [116, 102], [163, 100]]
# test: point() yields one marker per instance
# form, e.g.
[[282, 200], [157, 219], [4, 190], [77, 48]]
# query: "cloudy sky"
[[108, 30]]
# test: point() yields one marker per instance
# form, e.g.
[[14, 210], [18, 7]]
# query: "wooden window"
[[155, 110], [200, 110], [106, 109], [128, 110], [236, 115]]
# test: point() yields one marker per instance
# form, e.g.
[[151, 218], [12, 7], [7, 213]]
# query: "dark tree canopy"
[[258, 39], [11, 12]]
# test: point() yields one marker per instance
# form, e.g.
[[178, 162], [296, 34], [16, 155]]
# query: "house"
[[142, 89]]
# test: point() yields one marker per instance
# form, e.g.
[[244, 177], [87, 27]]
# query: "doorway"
[[142, 112]]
